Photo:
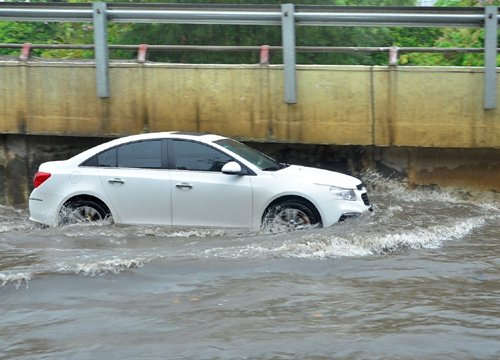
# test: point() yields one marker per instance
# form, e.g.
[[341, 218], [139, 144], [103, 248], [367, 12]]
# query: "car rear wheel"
[[292, 214], [83, 211]]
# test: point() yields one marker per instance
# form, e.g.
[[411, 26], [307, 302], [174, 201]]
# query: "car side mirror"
[[232, 168]]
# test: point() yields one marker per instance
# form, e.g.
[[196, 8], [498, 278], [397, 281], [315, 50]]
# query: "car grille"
[[364, 196]]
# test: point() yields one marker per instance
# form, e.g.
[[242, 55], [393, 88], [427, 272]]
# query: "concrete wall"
[[381, 106], [428, 124]]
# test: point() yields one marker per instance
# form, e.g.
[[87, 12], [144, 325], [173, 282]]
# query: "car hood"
[[319, 176]]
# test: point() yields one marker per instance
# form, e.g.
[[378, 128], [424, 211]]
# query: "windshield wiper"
[[276, 168]]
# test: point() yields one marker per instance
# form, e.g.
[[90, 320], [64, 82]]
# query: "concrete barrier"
[[380, 106]]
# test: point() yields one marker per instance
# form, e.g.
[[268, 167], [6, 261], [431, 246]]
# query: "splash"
[[12, 219], [18, 279], [313, 247], [101, 267], [430, 238], [400, 189]]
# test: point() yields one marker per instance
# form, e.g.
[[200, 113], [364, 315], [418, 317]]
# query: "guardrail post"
[[25, 52], [264, 55], [393, 56], [490, 57], [288, 38], [142, 53], [101, 52]]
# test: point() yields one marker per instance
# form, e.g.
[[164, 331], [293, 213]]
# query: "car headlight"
[[343, 194]]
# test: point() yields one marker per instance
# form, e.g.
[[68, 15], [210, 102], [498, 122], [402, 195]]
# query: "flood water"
[[417, 279]]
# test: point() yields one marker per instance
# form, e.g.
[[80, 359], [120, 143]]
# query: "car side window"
[[189, 155], [142, 154], [107, 158]]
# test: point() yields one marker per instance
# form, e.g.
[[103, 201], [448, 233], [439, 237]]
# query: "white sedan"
[[189, 179]]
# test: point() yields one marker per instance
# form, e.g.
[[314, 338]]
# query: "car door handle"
[[184, 186], [116, 181]]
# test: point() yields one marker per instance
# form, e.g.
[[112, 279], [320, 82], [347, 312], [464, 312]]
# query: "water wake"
[[325, 243]]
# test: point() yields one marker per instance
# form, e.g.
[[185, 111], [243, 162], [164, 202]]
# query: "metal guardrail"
[[241, 49], [317, 15], [285, 15]]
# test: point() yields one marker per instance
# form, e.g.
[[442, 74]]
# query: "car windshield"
[[257, 158]]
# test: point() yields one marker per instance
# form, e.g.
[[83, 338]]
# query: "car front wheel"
[[82, 211], [293, 214]]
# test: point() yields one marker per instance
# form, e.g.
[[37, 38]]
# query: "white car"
[[190, 179]]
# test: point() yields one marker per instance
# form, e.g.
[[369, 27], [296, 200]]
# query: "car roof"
[[202, 137]]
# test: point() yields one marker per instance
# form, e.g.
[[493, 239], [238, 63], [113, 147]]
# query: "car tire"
[[83, 211], [291, 214]]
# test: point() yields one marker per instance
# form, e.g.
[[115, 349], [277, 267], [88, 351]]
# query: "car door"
[[137, 183], [201, 194]]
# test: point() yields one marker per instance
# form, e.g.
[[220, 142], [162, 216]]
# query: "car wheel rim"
[[84, 214], [292, 218]]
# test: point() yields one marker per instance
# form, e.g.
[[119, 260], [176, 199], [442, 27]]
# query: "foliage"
[[261, 35], [241, 35], [450, 38], [19, 33]]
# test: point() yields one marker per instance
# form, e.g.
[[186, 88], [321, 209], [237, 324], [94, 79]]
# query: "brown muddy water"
[[417, 279]]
